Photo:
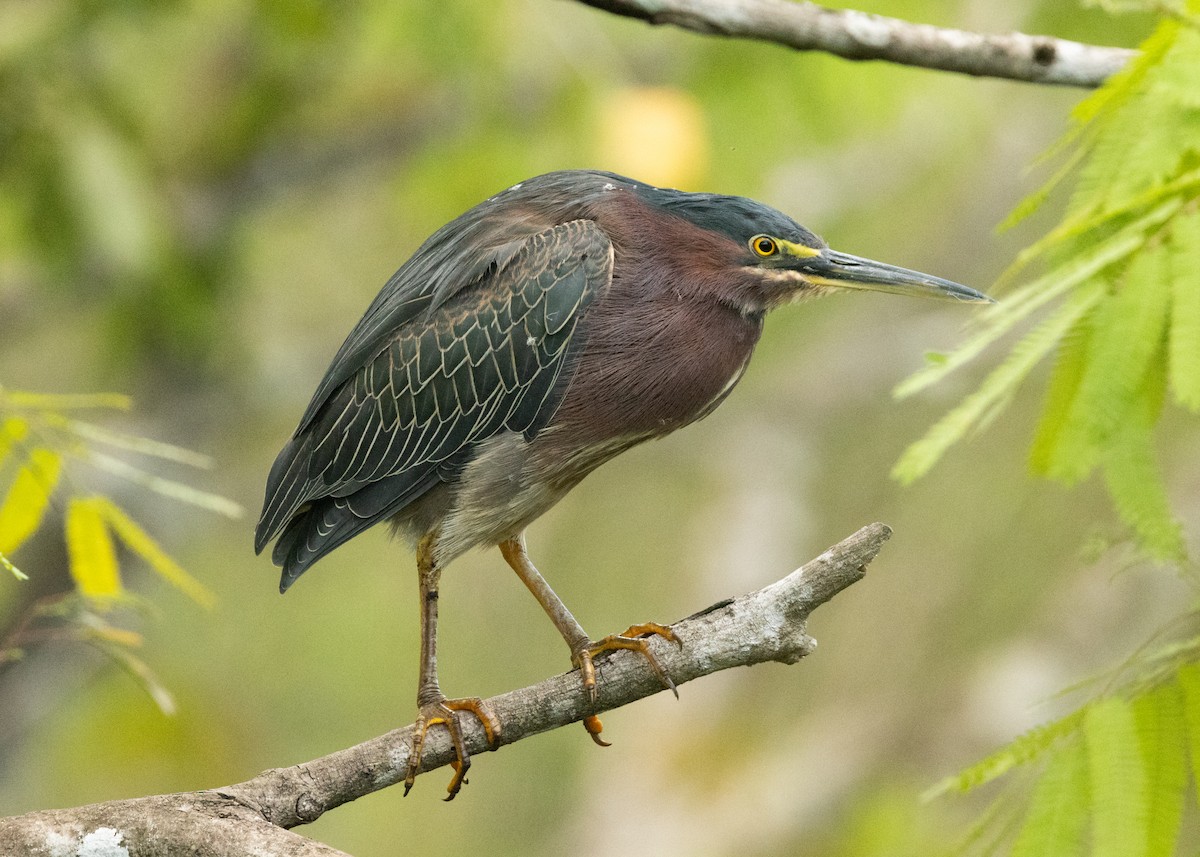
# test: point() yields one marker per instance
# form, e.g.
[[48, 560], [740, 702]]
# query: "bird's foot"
[[446, 712], [634, 638]]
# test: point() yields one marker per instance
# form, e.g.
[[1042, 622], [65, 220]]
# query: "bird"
[[525, 343]]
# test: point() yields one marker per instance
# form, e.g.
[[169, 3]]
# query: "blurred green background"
[[198, 200]]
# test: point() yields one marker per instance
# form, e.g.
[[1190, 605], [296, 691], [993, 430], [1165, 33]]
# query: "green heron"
[[525, 343]]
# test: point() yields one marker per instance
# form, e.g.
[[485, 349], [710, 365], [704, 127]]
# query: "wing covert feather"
[[487, 359]]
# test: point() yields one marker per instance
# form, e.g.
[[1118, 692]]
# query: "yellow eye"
[[764, 245]]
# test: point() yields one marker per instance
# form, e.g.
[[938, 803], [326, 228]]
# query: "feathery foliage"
[[1056, 819], [1120, 300], [1114, 773], [1117, 779], [1124, 267], [44, 448]]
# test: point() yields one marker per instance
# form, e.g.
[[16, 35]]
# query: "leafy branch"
[[1113, 772], [1119, 303], [1119, 307], [42, 445]]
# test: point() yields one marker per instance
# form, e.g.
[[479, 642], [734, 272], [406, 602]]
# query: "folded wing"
[[488, 359]]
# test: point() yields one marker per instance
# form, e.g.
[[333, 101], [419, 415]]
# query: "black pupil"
[[765, 246]]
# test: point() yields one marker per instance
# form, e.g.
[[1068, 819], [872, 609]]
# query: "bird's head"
[[782, 261]]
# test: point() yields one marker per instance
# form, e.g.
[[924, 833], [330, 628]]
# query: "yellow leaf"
[[90, 548], [12, 430], [69, 401], [140, 542], [27, 498]]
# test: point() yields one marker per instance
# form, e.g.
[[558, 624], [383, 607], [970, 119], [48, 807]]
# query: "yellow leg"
[[433, 706], [583, 650]]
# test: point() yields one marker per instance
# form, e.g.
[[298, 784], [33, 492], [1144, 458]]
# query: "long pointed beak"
[[843, 271]]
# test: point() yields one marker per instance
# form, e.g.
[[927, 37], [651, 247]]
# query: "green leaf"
[[1123, 85], [90, 548], [1058, 808], [1135, 482], [1118, 780], [1115, 111], [1185, 310], [1064, 383], [1169, 199], [1000, 318], [1189, 682], [1003, 380], [1159, 718], [1020, 751], [27, 498], [140, 542], [1035, 200], [1176, 79], [1127, 162], [1126, 332]]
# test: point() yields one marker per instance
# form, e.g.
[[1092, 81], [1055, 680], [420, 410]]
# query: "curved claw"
[[446, 712], [634, 638], [594, 727]]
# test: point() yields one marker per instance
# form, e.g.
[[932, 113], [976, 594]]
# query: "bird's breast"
[[652, 366]]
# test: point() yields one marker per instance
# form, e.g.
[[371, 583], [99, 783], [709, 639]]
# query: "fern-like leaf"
[[999, 384], [1064, 384], [1118, 780], [1058, 809], [1127, 82], [27, 498], [1159, 718], [1176, 79], [1037, 199], [1121, 155], [1126, 331], [1188, 678], [1135, 481], [1020, 751], [1185, 311], [1000, 318]]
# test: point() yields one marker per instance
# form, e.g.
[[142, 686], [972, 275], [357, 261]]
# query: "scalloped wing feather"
[[486, 360]]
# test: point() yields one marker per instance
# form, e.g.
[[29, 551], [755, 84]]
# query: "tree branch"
[[860, 36], [254, 816]]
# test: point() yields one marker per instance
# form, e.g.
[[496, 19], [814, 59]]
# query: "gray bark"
[[860, 36], [256, 816]]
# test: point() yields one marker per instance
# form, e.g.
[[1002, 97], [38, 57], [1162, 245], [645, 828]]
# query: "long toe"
[[635, 639], [446, 713]]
